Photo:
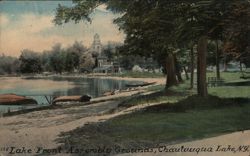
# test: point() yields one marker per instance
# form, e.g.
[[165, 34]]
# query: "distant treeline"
[[56, 60], [9, 65], [76, 57]]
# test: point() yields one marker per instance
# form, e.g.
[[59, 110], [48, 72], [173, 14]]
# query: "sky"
[[28, 25]]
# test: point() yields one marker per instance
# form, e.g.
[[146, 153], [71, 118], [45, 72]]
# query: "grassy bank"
[[159, 95], [229, 91], [168, 123]]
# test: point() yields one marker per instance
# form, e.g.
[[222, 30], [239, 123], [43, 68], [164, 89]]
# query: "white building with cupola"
[[102, 63], [96, 46]]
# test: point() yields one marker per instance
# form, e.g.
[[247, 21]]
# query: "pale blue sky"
[[27, 25]]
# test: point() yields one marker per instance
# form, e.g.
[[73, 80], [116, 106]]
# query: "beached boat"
[[77, 98], [13, 99]]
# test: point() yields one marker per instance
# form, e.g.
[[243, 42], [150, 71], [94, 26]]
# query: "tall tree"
[[57, 60], [9, 65], [75, 52], [237, 32], [30, 62]]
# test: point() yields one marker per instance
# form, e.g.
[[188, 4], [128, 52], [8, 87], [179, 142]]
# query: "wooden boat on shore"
[[78, 98], [140, 85], [13, 99]]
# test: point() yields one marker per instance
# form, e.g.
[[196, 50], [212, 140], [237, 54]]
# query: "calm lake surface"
[[57, 86]]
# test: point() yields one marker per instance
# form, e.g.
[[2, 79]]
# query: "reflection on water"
[[56, 86]]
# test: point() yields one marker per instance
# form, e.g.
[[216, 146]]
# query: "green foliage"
[[57, 60], [109, 52], [9, 65], [30, 62], [81, 11], [67, 59], [128, 62], [75, 52], [212, 49], [237, 31]]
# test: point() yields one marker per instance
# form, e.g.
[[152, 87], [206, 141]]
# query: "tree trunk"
[[192, 67], [171, 75], [201, 67], [241, 70], [177, 69], [217, 60], [225, 63], [241, 67], [186, 73]]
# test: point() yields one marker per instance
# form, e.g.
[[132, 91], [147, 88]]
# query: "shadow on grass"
[[240, 83], [189, 119], [155, 97], [196, 102]]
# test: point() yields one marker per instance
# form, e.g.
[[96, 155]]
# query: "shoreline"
[[160, 80]]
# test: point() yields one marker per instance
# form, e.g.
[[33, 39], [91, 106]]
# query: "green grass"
[[230, 92], [156, 88], [183, 90], [170, 127], [229, 76], [159, 95], [221, 91], [160, 124]]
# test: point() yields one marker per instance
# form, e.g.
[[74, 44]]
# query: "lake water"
[[57, 86]]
